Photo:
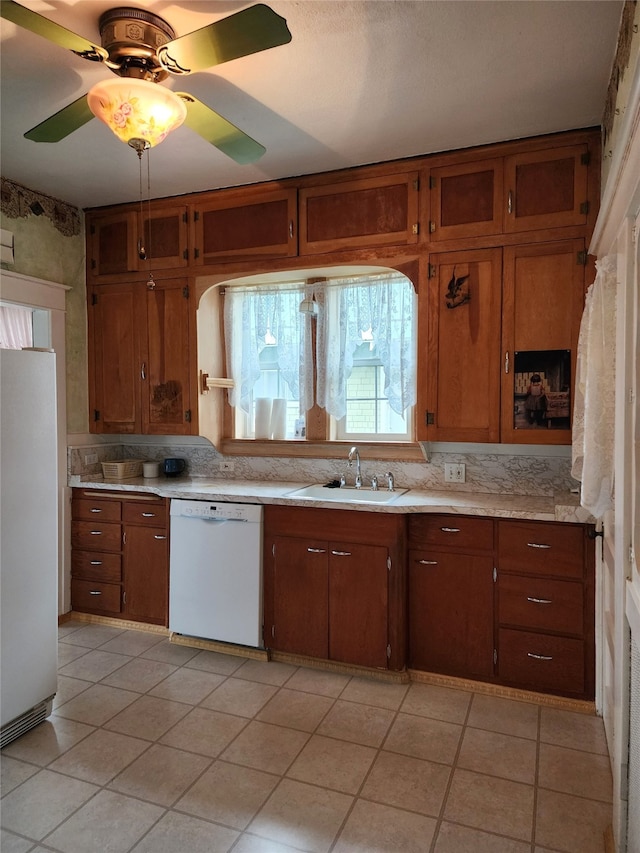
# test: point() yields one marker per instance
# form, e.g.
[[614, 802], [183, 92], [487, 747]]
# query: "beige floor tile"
[[215, 662], [13, 773], [376, 693], [204, 732], [42, 802], [132, 643], [108, 822], [140, 675], [187, 685], [160, 775], [236, 696], [92, 636], [333, 764], [97, 704], [67, 653], [570, 824], [495, 805], [408, 783], [375, 828], [68, 688], [266, 747], [576, 731], [169, 652], [178, 833], [422, 737], [295, 709], [267, 672], [46, 742], [461, 839], [583, 774], [316, 681], [95, 665], [69, 627], [302, 816], [99, 757], [361, 724], [498, 755], [10, 843], [441, 703], [228, 794], [249, 843], [508, 716], [149, 717]]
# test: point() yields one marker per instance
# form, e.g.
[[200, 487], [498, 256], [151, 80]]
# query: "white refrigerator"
[[28, 540]]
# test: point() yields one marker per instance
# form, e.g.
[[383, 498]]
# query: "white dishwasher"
[[215, 583]]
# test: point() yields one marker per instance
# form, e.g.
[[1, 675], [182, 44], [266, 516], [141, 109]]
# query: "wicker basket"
[[122, 470]]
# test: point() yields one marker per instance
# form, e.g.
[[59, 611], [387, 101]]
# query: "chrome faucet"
[[391, 483], [355, 452]]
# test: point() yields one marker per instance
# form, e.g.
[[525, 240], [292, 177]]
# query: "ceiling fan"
[[142, 48]]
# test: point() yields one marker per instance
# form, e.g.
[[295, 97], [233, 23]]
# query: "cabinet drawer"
[[541, 662], [152, 514], [455, 531], [93, 595], [95, 536], [541, 604], [545, 548], [92, 565], [95, 510]]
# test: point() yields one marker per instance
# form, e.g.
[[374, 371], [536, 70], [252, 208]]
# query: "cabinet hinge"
[[495, 657], [389, 564], [94, 298], [196, 253], [96, 415], [429, 418], [185, 254], [389, 652], [416, 183], [431, 271], [185, 291], [185, 218], [187, 416], [432, 182], [432, 226], [196, 215], [584, 207], [495, 574], [585, 158], [582, 258], [415, 229]]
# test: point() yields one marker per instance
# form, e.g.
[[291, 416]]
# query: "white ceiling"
[[361, 81]]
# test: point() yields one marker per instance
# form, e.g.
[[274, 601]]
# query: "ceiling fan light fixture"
[[137, 109]]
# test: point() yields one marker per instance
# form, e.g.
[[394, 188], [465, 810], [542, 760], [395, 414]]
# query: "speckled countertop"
[[564, 506]]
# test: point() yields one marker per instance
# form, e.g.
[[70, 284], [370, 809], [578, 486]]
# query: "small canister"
[[150, 469]]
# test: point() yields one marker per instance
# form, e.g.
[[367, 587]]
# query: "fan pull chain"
[[150, 283]]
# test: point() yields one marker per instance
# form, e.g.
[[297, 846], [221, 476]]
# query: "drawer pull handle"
[[148, 515], [537, 545], [539, 600], [427, 562], [96, 562], [317, 550], [94, 592], [539, 657], [341, 553], [96, 532], [157, 536], [450, 529], [95, 509]]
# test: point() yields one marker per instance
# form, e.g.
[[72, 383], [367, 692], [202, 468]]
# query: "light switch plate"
[[454, 472]]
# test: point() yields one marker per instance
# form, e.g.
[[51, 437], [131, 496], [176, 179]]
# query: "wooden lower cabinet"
[[120, 566], [338, 595]]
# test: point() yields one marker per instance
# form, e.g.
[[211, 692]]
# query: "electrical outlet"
[[227, 465], [90, 458], [454, 472]]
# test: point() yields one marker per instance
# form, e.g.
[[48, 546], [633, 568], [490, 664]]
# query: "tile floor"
[[159, 748]]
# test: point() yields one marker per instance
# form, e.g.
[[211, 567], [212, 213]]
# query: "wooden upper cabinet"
[[466, 200], [378, 211], [112, 243], [543, 299], [459, 350], [547, 189], [163, 237], [241, 227]]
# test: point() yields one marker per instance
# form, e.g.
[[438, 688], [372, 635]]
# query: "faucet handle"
[[391, 483], [343, 481], [374, 483]]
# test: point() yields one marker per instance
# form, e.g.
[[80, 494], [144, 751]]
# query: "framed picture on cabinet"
[[542, 389]]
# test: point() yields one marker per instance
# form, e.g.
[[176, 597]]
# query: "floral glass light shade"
[[137, 110]]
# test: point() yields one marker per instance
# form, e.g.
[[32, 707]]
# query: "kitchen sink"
[[345, 494]]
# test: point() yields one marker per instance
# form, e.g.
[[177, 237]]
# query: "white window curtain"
[[382, 309], [16, 327]]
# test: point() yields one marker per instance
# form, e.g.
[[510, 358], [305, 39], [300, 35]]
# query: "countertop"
[[563, 506]]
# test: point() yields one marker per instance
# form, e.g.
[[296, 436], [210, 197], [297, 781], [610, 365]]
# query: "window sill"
[[396, 451]]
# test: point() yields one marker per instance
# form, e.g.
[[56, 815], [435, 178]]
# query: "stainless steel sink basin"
[[346, 494]]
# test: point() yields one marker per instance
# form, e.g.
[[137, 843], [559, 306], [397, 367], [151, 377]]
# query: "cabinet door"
[[547, 189], [163, 236], [451, 613], [165, 373], [542, 303], [461, 360], [466, 200], [240, 228], [146, 574], [112, 243], [370, 212], [300, 597], [114, 370], [358, 604]]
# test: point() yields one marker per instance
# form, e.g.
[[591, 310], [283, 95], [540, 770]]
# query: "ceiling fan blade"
[[41, 26], [248, 31], [62, 123], [219, 132]]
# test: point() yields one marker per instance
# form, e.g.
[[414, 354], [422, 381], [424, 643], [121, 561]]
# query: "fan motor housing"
[[132, 38]]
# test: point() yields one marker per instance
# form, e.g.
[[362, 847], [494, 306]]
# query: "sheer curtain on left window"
[[16, 327]]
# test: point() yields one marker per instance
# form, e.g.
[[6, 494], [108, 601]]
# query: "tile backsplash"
[[496, 473]]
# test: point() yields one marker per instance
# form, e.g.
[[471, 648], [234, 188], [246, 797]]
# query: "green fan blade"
[[248, 31], [29, 20], [62, 123], [219, 132]]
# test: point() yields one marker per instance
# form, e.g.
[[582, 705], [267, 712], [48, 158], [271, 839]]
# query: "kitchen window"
[[345, 347]]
